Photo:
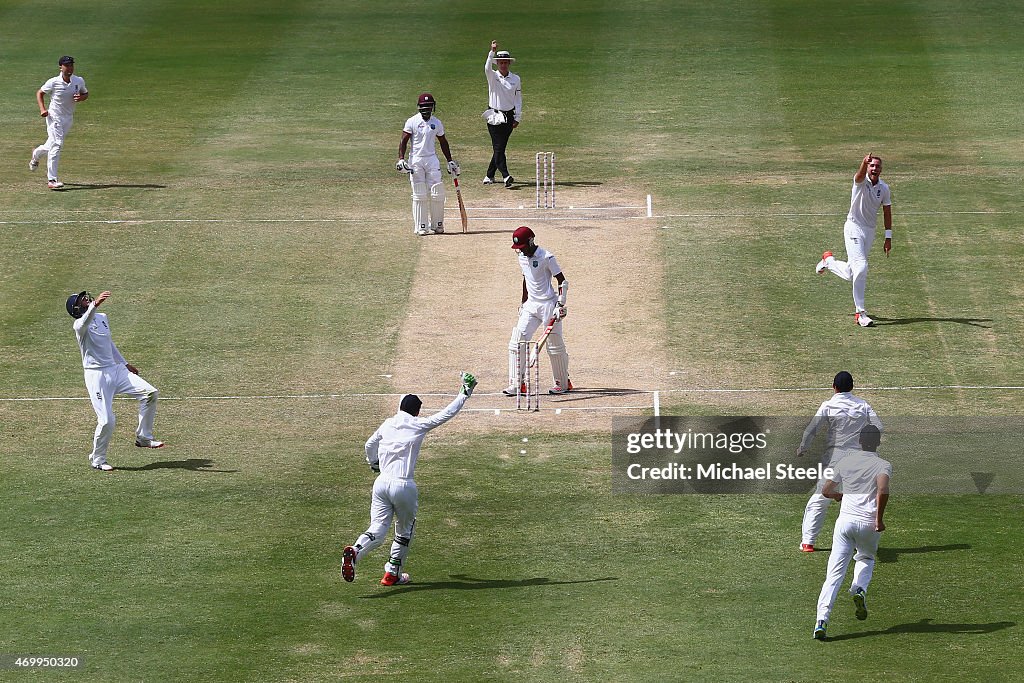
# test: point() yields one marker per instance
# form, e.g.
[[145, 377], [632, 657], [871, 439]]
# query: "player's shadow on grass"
[[194, 464], [463, 582], [70, 187], [521, 184], [890, 555], [926, 626], [973, 322]]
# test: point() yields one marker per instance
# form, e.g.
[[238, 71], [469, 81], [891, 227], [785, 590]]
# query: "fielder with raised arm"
[[423, 167], [540, 306], [864, 478], [107, 373], [392, 451], [845, 416], [869, 193]]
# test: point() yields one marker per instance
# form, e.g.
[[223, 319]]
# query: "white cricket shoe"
[[488, 181], [33, 164], [439, 229], [102, 466], [863, 320], [54, 184], [422, 231], [823, 263], [509, 180], [151, 443], [510, 390]]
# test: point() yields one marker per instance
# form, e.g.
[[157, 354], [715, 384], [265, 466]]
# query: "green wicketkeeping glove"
[[468, 383]]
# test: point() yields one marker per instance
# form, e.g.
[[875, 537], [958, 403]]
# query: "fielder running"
[[392, 451], [845, 416], [869, 192], [540, 306], [423, 167], [65, 90], [107, 373], [865, 480]]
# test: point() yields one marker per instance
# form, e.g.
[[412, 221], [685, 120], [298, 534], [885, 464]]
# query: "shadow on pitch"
[[532, 184], [926, 626], [70, 187], [583, 393], [194, 464], [463, 582], [889, 555], [973, 322]]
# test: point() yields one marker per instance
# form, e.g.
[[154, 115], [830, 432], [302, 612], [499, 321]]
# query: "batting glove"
[[402, 167], [561, 311], [453, 168], [468, 383]]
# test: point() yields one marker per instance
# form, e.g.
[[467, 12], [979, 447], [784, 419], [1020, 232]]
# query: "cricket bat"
[[462, 206], [540, 343]]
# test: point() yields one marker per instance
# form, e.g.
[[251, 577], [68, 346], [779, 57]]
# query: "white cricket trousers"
[[534, 314], [56, 129], [850, 535], [858, 244], [103, 384], [393, 498]]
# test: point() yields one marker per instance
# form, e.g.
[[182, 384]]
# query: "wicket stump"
[[545, 180], [528, 381]]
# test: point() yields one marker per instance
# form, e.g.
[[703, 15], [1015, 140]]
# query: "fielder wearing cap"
[[423, 167], [504, 95], [107, 374], [392, 451], [65, 90], [541, 306]]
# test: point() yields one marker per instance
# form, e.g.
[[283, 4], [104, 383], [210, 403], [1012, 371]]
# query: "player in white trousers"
[[869, 193], [845, 416], [423, 167], [393, 451], [65, 90], [540, 305], [864, 478], [107, 373]]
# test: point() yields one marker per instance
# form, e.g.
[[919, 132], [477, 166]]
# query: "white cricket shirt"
[[846, 416], [93, 333], [858, 473], [865, 200], [504, 93], [395, 446], [62, 103], [539, 270], [424, 133]]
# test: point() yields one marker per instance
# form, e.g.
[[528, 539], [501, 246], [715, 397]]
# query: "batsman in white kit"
[[107, 373], [541, 305], [864, 478], [423, 167], [869, 193], [845, 416], [65, 91], [392, 451]]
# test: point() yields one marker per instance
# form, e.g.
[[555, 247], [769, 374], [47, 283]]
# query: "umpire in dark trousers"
[[505, 99]]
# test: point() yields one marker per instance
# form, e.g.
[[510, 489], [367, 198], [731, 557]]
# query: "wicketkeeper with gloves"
[[541, 305], [392, 451], [423, 167]]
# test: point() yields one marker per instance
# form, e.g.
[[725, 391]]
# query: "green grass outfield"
[[216, 559]]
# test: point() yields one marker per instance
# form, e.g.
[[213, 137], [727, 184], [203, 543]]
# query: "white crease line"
[[582, 393]]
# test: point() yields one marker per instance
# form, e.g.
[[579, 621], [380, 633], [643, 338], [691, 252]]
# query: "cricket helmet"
[[426, 104], [74, 310], [522, 238], [410, 404]]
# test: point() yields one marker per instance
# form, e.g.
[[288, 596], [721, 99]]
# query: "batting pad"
[[436, 204], [420, 206], [559, 358]]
